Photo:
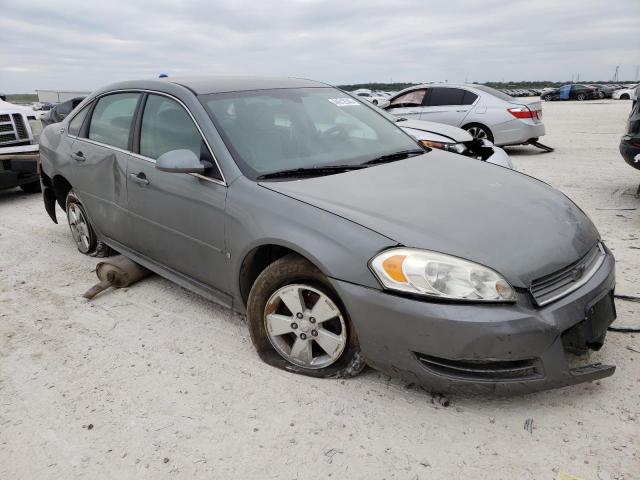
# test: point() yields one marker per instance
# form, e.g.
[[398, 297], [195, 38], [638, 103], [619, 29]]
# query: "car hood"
[[13, 108], [448, 203], [454, 133]]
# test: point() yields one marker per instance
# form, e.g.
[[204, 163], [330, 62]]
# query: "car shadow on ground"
[[14, 194]]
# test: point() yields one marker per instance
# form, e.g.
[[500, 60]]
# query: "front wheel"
[[581, 96], [625, 96], [298, 323]]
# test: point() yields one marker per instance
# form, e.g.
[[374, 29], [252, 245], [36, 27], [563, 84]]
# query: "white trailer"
[[58, 96]]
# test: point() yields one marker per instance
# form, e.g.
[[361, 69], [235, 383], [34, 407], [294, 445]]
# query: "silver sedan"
[[483, 111]]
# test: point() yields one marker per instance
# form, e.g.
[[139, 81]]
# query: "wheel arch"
[[481, 125], [259, 257], [61, 187]]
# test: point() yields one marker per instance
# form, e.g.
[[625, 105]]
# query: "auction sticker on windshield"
[[343, 102]]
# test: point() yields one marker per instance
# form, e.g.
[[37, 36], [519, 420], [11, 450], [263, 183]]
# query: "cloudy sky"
[[63, 44]]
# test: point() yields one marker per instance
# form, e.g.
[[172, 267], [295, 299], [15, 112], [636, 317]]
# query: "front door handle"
[[78, 156], [140, 178]]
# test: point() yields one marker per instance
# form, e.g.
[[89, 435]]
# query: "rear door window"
[[112, 118], [440, 96]]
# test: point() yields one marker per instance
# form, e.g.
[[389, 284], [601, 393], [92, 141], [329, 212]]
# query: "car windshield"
[[269, 131]]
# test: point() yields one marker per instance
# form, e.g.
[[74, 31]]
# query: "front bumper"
[[501, 158], [510, 348], [18, 166]]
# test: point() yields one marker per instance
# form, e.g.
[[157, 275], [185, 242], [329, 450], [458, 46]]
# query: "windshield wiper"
[[310, 171], [392, 157]]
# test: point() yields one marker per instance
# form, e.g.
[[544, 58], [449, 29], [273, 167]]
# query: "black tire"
[[474, 127], [581, 97], [547, 98], [293, 269], [375, 102], [33, 187], [92, 247], [625, 96]]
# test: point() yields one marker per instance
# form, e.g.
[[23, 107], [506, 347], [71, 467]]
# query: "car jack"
[[541, 146]]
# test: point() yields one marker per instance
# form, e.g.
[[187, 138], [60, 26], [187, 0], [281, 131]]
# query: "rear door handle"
[[78, 156], [140, 178]]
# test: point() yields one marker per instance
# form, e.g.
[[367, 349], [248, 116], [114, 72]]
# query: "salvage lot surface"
[[156, 382]]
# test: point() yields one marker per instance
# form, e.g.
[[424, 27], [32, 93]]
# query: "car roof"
[[203, 85]]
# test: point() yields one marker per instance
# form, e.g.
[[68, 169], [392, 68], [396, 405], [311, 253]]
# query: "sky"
[[71, 45]]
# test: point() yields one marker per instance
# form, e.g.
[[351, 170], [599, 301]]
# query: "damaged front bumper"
[[508, 348]]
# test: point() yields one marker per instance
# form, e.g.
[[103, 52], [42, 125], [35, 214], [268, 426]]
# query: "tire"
[[477, 130], [295, 276], [82, 231], [33, 187], [625, 96], [581, 97], [375, 102], [547, 98]]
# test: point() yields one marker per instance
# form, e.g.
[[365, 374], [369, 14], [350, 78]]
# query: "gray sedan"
[[343, 242]]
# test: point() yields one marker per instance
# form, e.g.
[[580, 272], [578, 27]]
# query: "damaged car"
[[343, 242]]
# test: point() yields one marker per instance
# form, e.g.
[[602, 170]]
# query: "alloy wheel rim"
[[305, 326], [477, 132], [79, 227]]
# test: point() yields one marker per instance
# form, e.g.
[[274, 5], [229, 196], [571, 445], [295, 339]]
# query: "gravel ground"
[[156, 382]]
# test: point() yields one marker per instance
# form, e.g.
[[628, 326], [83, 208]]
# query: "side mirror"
[[180, 161]]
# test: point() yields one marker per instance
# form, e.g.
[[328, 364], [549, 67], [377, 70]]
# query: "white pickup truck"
[[19, 149]]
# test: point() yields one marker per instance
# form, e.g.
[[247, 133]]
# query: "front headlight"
[[449, 147], [438, 275]]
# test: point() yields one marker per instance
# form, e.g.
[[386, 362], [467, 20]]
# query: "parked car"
[[571, 91], [372, 97], [483, 111], [630, 142], [60, 111], [455, 140], [624, 93], [19, 150], [343, 242]]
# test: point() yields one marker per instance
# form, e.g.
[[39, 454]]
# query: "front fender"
[[257, 216]]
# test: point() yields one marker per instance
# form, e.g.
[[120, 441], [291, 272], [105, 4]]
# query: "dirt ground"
[[155, 382]]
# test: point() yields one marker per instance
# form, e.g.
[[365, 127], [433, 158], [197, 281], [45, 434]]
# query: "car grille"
[[482, 370], [12, 129], [558, 284], [21, 130]]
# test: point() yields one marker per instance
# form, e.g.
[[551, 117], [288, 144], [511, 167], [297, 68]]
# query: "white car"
[[625, 93], [454, 139], [372, 97]]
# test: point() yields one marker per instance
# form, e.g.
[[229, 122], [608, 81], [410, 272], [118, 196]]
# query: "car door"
[[100, 153], [408, 105], [448, 105], [177, 218]]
